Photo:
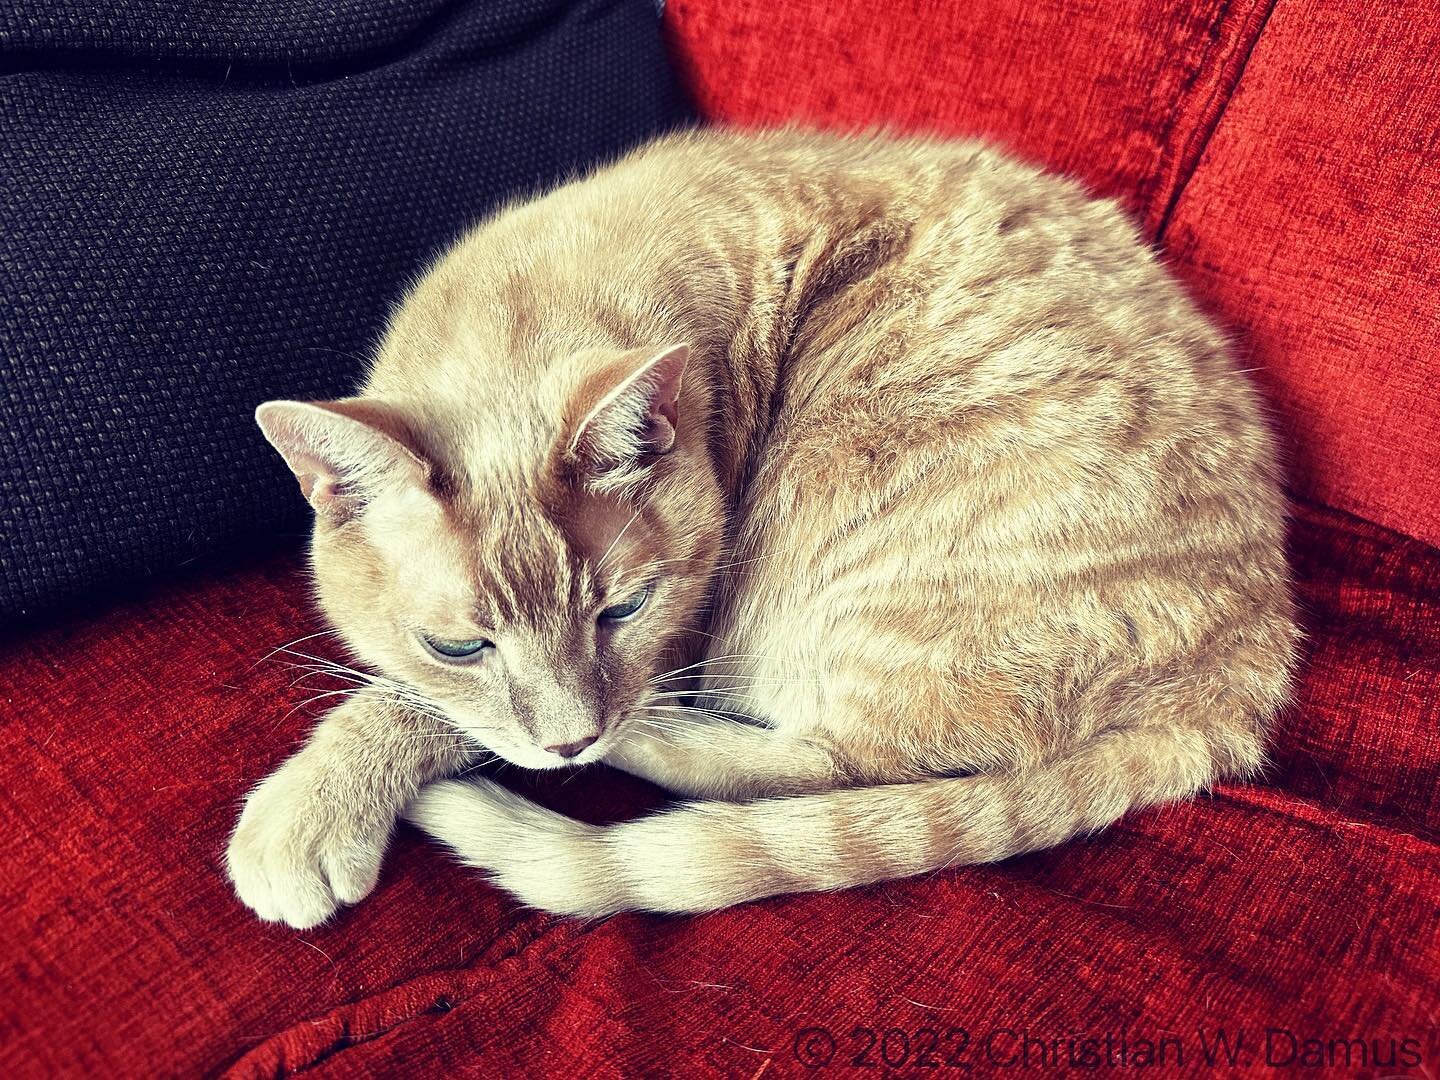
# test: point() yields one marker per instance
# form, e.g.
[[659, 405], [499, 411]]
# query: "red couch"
[[1286, 155]]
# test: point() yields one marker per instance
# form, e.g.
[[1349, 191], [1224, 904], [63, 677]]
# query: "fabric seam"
[[1207, 130], [346, 1009], [532, 953]]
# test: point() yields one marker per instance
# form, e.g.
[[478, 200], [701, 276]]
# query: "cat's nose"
[[570, 749]]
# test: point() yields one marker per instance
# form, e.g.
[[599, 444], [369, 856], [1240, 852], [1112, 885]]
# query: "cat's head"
[[529, 578]]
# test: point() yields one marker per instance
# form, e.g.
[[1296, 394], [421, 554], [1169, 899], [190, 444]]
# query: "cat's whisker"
[[757, 558], [329, 666], [710, 714], [321, 667], [742, 675], [345, 691], [332, 665], [310, 701], [328, 661], [428, 710], [757, 686], [317, 672], [365, 679], [291, 644], [653, 720], [362, 681], [706, 634], [684, 696], [754, 690], [737, 657], [731, 658], [658, 713], [730, 704], [672, 674], [676, 719], [618, 537]]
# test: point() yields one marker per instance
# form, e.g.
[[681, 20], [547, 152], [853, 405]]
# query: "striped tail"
[[707, 855]]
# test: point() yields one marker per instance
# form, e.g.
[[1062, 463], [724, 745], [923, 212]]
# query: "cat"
[[883, 495]]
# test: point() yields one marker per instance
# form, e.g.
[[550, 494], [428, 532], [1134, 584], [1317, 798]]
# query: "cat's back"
[[931, 180], [951, 244], [1019, 372], [999, 287]]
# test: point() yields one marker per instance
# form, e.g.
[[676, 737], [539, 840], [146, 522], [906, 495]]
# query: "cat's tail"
[[707, 855]]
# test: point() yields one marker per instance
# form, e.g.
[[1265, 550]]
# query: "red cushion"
[[1118, 94], [1287, 158], [1309, 903]]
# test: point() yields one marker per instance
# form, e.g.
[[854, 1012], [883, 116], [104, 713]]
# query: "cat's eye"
[[625, 608], [451, 649]]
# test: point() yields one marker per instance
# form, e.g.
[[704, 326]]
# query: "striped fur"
[[961, 529], [709, 855]]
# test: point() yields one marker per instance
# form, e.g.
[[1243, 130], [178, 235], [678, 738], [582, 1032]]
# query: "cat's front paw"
[[306, 843]]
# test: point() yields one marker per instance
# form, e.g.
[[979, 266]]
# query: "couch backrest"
[[1286, 155]]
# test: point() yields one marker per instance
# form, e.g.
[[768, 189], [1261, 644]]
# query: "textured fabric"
[[206, 205], [260, 32], [1120, 95], [1286, 154], [1312, 222], [1307, 903]]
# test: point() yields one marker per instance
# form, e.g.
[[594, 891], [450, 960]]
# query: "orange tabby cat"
[[884, 495]]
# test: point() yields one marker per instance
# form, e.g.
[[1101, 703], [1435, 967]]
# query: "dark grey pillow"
[[204, 205]]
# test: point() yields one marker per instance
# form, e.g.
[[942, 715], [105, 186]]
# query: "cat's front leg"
[[714, 758], [312, 834]]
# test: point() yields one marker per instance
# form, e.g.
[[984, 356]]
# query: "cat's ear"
[[343, 452], [636, 415]]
